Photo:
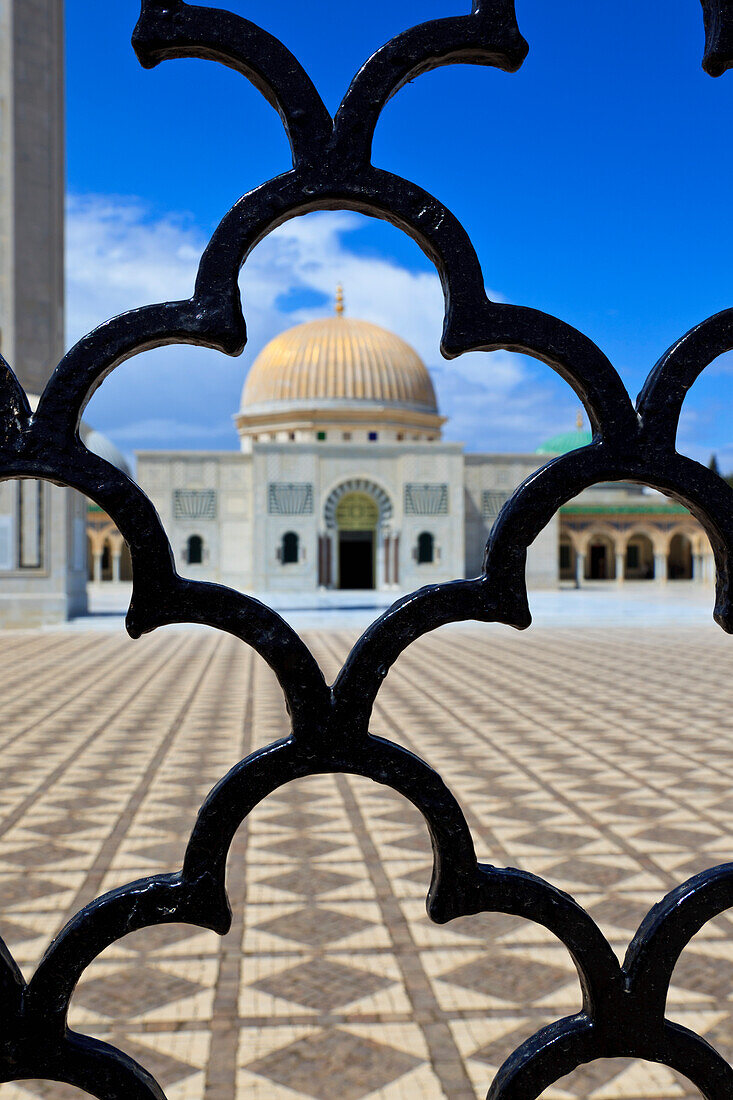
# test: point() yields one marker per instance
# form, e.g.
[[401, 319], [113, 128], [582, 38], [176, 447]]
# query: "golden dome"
[[339, 359]]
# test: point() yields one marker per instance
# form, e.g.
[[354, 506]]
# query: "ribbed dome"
[[339, 359]]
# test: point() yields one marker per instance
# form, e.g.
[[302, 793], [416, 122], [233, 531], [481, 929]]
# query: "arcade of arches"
[[108, 558], [662, 547]]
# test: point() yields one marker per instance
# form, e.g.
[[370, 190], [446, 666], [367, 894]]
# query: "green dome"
[[564, 442]]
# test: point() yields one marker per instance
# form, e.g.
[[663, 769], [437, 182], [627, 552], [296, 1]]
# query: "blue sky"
[[595, 183]]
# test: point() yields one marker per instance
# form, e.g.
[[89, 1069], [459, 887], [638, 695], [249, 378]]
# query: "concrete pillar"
[[579, 569], [116, 566], [97, 566], [660, 568], [620, 562]]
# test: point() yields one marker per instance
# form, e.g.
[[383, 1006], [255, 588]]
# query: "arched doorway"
[[358, 549], [601, 560], [357, 521], [106, 561], [679, 559]]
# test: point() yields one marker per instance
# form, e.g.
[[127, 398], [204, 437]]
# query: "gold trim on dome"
[[344, 418], [339, 358]]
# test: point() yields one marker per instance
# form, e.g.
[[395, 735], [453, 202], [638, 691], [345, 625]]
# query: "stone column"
[[579, 569], [97, 566], [116, 565], [322, 579], [620, 562], [660, 568], [381, 550]]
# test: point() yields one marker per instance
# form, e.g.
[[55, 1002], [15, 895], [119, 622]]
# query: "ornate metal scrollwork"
[[623, 1011]]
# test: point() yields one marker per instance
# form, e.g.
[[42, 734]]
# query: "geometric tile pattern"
[[599, 759], [152, 989], [359, 1066], [322, 984], [315, 927]]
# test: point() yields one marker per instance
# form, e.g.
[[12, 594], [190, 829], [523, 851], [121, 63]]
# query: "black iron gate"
[[623, 1011]]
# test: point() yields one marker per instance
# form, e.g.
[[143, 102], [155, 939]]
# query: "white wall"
[[502, 474]]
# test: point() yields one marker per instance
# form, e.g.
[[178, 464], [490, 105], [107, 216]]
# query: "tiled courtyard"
[[600, 759]]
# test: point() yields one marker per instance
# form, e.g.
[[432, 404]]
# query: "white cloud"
[[119, 257]]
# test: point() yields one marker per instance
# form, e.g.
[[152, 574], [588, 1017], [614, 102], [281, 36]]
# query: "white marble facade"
[[239, 509]]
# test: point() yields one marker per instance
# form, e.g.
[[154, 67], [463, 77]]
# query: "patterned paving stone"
[[322, 984], [294, 796], [13, 933], [620, 912], [307, 881], [599, 759], [167, 854], [166, 1070], [556, 840], [485, 927], [299, 821], [508, 977], [495, 1052], [64, 826], [419, 875], [703, 973], [40, 855], [308, 847], [315, 927], [159, 938], [415, 842], [20, 890], [677, 837], [50, 1090], [352, 1066], [599, 873], [151, 989], [182, 824]]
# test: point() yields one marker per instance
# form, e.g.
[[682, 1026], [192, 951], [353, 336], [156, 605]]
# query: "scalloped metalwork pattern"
[[623, 1011]]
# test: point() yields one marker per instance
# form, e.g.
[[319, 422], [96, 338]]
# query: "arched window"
[[425, 548], [195, 550], [289, 548]]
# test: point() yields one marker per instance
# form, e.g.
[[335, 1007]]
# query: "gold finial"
[[339, 301], [579, 420]]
